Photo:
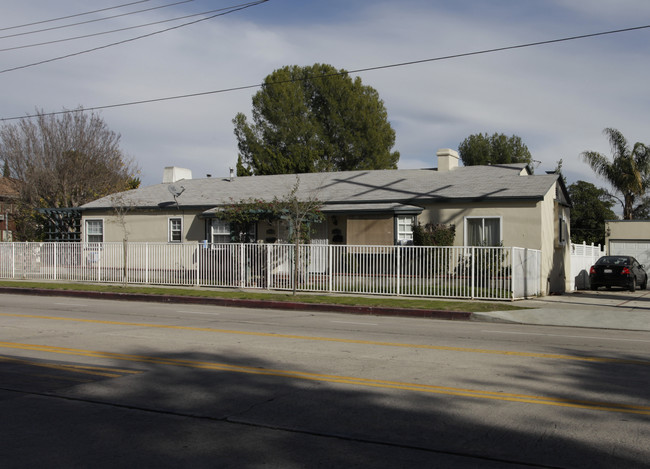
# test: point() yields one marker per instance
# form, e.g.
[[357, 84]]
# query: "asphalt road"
[[95, 383]]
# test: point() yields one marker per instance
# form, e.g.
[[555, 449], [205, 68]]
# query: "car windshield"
[[614, 260]]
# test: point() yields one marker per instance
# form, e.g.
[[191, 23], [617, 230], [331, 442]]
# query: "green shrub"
[[433, 234]]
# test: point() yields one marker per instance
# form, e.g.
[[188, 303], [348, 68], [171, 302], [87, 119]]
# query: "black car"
[[618, 271]]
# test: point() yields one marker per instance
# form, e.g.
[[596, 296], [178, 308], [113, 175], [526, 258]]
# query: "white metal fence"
[[451, 272], [583, 256]]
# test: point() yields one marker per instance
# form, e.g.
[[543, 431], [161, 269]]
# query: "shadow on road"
[[187, 410]]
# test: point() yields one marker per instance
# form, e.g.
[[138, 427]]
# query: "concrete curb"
[[243, 303]]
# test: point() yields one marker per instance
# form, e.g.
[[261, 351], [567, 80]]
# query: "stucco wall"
[[556, 255], [149, 227], [519, 220], [376, 230], [627, 229], [533, 225]]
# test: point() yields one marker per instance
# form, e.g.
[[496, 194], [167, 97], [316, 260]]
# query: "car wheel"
[[644, 285], [633, 284], [594, 287]]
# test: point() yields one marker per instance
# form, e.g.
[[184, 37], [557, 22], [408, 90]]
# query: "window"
[[405, 229], [95, 231], [483, 231], [219, 232], [562, 227], [175, 230]]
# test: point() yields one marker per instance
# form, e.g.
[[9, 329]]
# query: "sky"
[[557, 97]]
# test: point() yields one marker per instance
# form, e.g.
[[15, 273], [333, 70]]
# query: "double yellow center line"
[[355, 381], [337, 340], [376, 383]]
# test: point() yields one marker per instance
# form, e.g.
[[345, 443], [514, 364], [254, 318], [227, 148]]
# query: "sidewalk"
[[614, 309]]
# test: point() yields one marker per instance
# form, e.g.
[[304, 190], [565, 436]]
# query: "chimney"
[[447, 159], [174, 173]]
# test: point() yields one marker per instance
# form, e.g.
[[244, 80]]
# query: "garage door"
[[638, 249]]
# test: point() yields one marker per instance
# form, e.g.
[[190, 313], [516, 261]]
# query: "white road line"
[[566, 336], [71, 304]]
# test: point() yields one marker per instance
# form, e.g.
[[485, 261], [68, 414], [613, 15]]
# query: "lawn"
[[349, 300]]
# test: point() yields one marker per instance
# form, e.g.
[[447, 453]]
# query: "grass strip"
[[471, 306]]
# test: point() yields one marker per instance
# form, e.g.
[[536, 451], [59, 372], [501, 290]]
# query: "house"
[[8, 199], [630, 238], [489, 206]]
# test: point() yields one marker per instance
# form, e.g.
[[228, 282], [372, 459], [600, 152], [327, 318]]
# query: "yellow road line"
[[355, 381], [81, 369], [551, 356]]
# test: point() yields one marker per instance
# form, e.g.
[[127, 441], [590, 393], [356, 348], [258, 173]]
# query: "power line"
[[359, 70], [85, 36], [71, 16], [232, 9], [501, 49], [95, 20]]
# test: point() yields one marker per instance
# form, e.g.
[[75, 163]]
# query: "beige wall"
[[634, 230], [376, 230], [532, 225], [519, 220], [148, 226]]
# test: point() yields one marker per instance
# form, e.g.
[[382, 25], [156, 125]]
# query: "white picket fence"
[[494, 273], [583, 256]]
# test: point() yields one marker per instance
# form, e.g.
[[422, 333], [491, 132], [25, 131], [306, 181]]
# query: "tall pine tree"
[[312, 119]]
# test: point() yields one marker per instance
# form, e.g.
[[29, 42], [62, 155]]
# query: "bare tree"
[[300, 214], [65, 160], [121, 207]]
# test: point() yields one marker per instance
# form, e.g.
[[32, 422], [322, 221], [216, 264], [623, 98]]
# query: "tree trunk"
[[125, 253], [628, 207]]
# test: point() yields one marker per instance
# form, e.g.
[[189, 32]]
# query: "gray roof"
[[403, 186]]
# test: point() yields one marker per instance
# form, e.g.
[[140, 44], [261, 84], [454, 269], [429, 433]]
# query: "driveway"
[[606, 309]]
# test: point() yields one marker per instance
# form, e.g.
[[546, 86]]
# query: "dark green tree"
[[628, 172], [312, 119], [484, 149], [591, 207]]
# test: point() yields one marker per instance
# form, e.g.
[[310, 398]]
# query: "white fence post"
[[471, 274], [198, 264], [269, 267], [513, 273], [242, 266], [146, 263], [398, 269], [54, 260], [329, 268]]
